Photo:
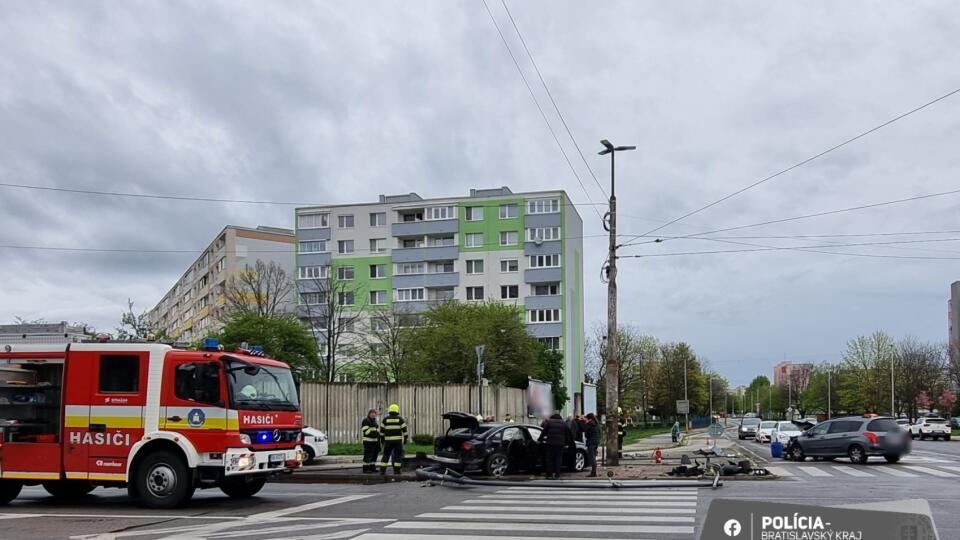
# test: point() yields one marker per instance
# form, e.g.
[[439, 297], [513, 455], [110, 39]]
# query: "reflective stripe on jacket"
[[369, 430], [393, 428]]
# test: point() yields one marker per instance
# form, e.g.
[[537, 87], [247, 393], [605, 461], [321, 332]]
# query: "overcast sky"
[[336, 102]]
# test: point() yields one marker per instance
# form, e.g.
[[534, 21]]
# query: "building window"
[[474, 213], [475, 266], [221, 264], [509, 266], [378, 324], [509, 291], [313, 221], [345, 221], [543, 315], [120, 374], [474, 293], [409, 295], [378, 298], [543, 233], [545, 261], [378, 271], [440, 241], [445, 267], [344, 247], [313, 298], [508, 211], [378, 245], [551, 289], [412, 216], [378, 219], [550, 343], [474, 240], [313, 272], [443, 295], [345, 298], [347, 324], [313, 246], [411, 268], [412, 243], [509, 238], [345, 273], [441, 212], [543, 206]]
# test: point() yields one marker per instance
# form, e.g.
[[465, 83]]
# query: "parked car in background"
[[785, 430], [764, 430], [495, 448], [955, 422], [853, 437], [314, 443], [748, 427], [932, 427]]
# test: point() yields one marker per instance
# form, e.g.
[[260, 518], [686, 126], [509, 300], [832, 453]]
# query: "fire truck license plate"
[[276, 460]]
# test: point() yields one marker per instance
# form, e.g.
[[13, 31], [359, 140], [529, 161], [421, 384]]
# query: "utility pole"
[[479, 350], [790, 397], [612, 377], [893, 408], [710, 383], [686, 417], [829, 409]]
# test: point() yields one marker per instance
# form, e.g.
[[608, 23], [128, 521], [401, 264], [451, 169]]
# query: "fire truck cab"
[[157, 420]]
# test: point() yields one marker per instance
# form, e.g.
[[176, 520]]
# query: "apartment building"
[[191, 309], [792, 373], [524, 249]]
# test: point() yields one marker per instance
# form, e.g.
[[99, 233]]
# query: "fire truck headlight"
[[243, 462], [301, 456], [244, 438]]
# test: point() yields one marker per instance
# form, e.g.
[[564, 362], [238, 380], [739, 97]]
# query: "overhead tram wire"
[[550, 95], [823, 238], [539, 108], [805, 161], [797, 218]]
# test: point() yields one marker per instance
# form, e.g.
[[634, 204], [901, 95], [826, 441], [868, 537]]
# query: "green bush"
[[423, 440]]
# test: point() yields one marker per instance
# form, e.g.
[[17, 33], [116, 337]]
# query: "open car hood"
[[802, 425], [461, 420]]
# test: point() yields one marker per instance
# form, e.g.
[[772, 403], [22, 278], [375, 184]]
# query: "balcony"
[[545, 329], [423, 228], [445, 279], [542, 275], [545, 247], [417, 306], [313, 234], [543, 302], [436, 253]]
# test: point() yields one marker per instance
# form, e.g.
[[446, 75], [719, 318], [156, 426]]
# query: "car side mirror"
[[808, 434]]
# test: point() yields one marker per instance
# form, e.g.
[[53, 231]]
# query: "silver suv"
[[854, 437]]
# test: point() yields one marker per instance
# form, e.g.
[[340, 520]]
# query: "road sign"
[[683, 406], [715, 430]]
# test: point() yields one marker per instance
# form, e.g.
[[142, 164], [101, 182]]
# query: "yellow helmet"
[[394, 408], [619, 410]]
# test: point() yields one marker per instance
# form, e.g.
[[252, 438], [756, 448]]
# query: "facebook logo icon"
[[732, 527]]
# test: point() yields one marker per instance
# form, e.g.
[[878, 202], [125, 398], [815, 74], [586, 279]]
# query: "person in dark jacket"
[[573, 424], [393, 433], [591, 432], [554, 437], [370, 436]]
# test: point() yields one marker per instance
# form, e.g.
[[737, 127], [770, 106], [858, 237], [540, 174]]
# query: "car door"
[[534, 448], [839, 436], [812, 441], [514, 444]]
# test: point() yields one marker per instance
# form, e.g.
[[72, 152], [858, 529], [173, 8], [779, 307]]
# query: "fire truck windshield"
[[262, 388]]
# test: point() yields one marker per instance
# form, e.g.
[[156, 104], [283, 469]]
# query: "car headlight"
[[244, 438], [743, 429], [321, 437]]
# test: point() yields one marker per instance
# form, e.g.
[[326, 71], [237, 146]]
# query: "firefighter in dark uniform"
[[621, 430], [393, 433], [370, 436]]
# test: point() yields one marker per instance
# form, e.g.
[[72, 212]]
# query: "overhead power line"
[[805, 161], [805, 216], [807, 249], [539, 108]]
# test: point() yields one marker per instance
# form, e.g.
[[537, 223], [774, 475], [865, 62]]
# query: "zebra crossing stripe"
[[813, 471], [895, 471], [530, 518], [599, 497], [581, 502], [566, 509], [932, 472], [408, 536], [596, 492], [780, 471], [852, 471], [447, 526], [950, 467]]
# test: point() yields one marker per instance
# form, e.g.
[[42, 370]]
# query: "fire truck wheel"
[[240, 487], [9, 490], [68, 489], [162, 480]]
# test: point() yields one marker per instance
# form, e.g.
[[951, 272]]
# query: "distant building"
[[739, 390], [42, 333], [191, 309], [953, 317], [790, 372]]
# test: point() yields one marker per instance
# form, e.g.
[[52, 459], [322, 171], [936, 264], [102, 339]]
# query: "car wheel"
[[856, 454], [913, 435], [946, 437], [162, 480], [579, 461], [310, 454], [241, 487], [891, 458], [497, 465], [797, 453]]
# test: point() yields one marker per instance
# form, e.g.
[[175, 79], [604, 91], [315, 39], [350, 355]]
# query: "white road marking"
[[539, 527], [950, 467], [534, 517], [780, 471], [932, 472], [813, 471], [581, 502], [852, 471], [328, 536], [408, 536], [598, 492], [615, 507], [611, 497], [566, 509], [15, 516], [895, 471]]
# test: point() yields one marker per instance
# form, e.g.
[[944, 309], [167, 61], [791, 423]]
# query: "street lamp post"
[[613, 353], [829, 408]]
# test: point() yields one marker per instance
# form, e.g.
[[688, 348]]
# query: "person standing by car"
[[573, 424], [554, 437], [393, 432], [508, 419], [370, 436], [591, 434]]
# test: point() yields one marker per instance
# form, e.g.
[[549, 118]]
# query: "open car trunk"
[[462, 427]]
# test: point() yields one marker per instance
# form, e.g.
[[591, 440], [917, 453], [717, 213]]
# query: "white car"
[[314, 443], [933, 427], [763, 432], [783, 431]]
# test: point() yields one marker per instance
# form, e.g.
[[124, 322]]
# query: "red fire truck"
[[158, 420]]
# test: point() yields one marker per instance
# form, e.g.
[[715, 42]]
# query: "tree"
[[333, 307], [263, 289], [758, 393], [920, 369], [549, 369], [639, 358], [670, 380], [717, 386], [946, 401], [137, 326], [866, 384], [385, 353], [282, 336]]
